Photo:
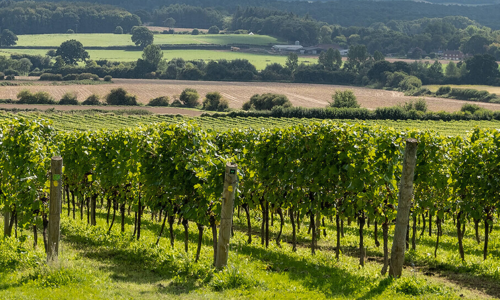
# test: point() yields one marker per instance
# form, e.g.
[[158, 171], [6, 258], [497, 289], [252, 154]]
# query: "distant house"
[[454, 55]]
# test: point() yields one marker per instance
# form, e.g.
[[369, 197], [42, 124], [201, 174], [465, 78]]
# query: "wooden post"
[[404, 205], [230, 181], [6, 221], [55, 208]]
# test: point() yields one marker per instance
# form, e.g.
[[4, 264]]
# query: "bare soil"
[[306, 95]]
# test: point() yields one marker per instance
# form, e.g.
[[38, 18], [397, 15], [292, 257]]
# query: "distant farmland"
[[108, 39], [258, 60], [306, 95]]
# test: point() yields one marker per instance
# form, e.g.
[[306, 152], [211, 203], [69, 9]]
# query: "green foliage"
[[153, 55], [108, 78], [159, 101], [72, 52], [8, 38], [471, 108], [92, 100], [69, 98], [142, 36], [195, 32], [413, 286], [213, 30], [266, 102], [118, 30], [378, 56], [214, 102], [51, 77], [120, 97], [26, 97], [410, 83], [292, 61], [344, 99], [189, 98], [443, 90], [232, 278]]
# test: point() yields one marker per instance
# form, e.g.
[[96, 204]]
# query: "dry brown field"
[[306, 95]]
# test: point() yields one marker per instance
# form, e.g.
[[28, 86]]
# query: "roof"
[[328, 46], [288, 47]]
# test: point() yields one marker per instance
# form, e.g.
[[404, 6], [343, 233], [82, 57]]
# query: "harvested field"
[[306, 95]]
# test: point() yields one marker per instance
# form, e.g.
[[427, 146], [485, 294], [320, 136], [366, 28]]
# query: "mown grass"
[[96, 265], [109, 39]]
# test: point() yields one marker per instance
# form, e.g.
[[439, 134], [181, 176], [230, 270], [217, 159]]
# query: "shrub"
[[472, 108], [92, 100], [195, 32], [266, 102], [344, 99], [471, 94], [160, 101], [419, 105], [443, 90], [11, 72], [108, 78], [410, 83], [26, 97], [69, 77], [120, 97], [70, 31], [51, 77], [214, 101], [176, 103], [118, 30], [2, 76], [10, 77], [214, 30], [88, 76], [189, 98], [69, 98]]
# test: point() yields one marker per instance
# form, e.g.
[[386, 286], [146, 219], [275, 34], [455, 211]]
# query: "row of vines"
[[341, 172]]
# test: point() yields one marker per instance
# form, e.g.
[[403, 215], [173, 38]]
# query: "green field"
[[108, 39], [258, 60]]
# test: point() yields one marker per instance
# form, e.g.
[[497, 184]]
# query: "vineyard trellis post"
[[230, 182], [404, 205], [55, 208]]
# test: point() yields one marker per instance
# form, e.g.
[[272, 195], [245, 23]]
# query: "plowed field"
[[306, 95]]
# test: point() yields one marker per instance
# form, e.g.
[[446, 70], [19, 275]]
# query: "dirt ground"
[[306, 95]]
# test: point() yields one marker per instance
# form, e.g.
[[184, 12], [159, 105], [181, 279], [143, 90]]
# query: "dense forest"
[[342, 12]]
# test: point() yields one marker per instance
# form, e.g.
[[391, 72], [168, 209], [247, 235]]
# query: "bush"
[[26, 97], [419, 105], [410, 83], [176, 103], [344, 99], [266, 102], [69, 98], [2, 76], [92, 100], [10, 77], [11, 72], [70, 31], [472, 108], [443, 90], [471, 94], [88, 76], [195, 32], [120, 97], [189, 98], [51, 77], [214, 102], [214, 30], [69, 77], [108, 78], [118, 30], [160, 101]]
